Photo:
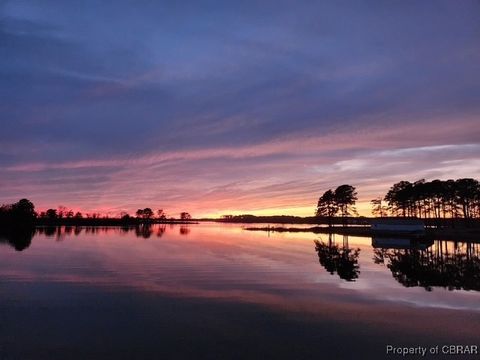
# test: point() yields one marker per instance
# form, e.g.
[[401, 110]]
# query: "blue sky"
[[219, 107]]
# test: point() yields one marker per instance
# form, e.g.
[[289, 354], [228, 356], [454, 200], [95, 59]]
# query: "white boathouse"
[[395, 225]]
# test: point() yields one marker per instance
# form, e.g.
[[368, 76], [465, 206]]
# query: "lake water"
[[216, 291]]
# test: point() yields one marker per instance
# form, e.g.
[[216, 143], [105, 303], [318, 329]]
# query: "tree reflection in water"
[[161, 230], [451, 265], [144, 231], [338, 259], [18, 238], [184, 230]]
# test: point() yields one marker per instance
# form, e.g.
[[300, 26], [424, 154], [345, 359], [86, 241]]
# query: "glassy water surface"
[[218, 291]]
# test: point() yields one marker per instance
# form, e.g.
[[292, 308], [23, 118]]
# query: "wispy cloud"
[[233, 106]]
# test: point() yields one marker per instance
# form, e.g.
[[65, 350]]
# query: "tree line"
[[434, 199], [431, 199], [147, 214], [23, 213], [19, 213], [340, 201]]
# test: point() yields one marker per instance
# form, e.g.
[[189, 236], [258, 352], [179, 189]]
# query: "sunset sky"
[[229, 107]]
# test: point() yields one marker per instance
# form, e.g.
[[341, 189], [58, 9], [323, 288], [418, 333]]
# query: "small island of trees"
[[19, 222], [339, 202], [23, 214]]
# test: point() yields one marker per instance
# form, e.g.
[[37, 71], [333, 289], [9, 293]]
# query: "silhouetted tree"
[[125, 218], [25, 209], [377, 207], [161, 214], [144, 214], [345, 198], [398, 197], [21, 213], [327, 206], [17, 223], [467, 191], [147, 213], [185, 216], [51, 214], [435, 199], [61, 212], [342, 201]]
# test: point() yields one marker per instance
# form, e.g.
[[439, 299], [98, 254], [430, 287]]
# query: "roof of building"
[[398, 221]]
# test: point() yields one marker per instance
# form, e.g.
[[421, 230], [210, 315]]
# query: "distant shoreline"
[[455, 234], [108, 222]]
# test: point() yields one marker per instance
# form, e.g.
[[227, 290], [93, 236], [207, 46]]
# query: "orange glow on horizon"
[[363, 208]]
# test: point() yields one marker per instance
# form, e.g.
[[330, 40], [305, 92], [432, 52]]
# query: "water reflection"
[[184, 230], [412, 262], [19, 239], [453, 266], [196, 292], [144, 231], [161, 230], [338, 259]]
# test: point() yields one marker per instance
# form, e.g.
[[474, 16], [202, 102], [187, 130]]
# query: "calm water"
[[217, 291]]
